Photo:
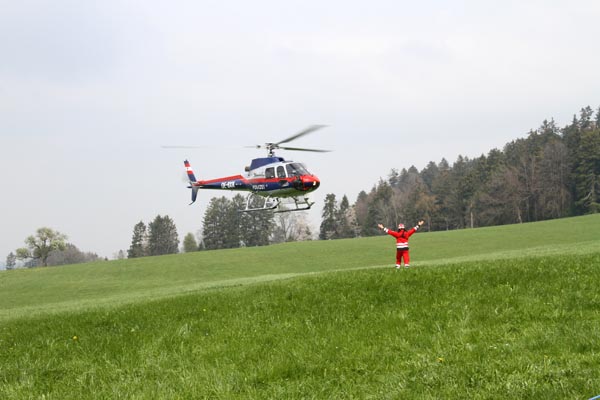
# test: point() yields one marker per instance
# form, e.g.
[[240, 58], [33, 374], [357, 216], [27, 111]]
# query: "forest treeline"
[[552, 173]]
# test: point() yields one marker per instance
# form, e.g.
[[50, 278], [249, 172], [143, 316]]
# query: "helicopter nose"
[[311, 183]]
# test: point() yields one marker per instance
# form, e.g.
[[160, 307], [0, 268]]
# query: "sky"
[[91, 90]]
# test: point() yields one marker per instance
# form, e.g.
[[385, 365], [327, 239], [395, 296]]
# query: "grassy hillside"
[[504, 312], [25, 292]]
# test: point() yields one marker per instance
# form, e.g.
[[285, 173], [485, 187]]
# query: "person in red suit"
[[402, 236]]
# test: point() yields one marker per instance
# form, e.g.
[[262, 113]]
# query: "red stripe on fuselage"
[[226, 179]]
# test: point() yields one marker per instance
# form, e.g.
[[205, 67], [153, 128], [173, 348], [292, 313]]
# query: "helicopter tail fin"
[[189, 171], [194, 194], [192, 179]]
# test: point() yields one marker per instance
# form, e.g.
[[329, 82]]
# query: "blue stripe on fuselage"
[[261, 186]]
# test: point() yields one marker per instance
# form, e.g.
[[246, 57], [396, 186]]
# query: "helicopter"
[[282, 185]]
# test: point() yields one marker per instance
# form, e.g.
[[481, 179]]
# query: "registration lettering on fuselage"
[[259, 187], [228, 185]]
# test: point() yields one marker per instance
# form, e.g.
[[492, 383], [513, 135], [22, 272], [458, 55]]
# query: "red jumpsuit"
[[402, 244]]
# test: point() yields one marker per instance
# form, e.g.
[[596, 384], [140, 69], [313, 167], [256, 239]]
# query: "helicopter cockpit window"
[[280, 172], [296, 169], [270, 173]]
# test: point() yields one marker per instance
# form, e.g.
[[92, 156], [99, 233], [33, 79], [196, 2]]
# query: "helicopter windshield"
[[296, 169]]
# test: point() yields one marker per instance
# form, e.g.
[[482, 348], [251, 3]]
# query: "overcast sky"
[[90, 90]]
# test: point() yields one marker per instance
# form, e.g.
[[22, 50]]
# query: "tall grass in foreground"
[[522, 328]]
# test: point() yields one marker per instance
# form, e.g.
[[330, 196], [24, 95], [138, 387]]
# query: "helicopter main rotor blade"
[[302, 149], [306, 131]]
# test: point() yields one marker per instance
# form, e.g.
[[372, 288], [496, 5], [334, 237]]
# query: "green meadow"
[[490, 313]]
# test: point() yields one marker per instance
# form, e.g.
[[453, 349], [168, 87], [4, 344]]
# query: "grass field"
[[494, 313]]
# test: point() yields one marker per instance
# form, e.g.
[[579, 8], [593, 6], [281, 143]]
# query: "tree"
[[11, 260], [302, 228], [291, 227], [284, 231], [367, 214], [70, 255], [361, 210], [138, 241], [500, 202], [424, 204], [587, 173], [429, 174], [394, 178], [555, 196], [41, 244], [253, 228], [582, 140], [346, 223], [216, 228], [24, 254], [441, 188], [162, 236], [459, 199], [189, 243], [585, 118], [408, 199], [383, 207], [329, 223]]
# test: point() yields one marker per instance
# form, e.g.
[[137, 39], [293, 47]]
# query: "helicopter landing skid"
[[299, 205], [268, 204], [275, 204]]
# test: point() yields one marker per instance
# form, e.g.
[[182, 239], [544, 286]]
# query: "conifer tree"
[[361, 209], [138, 241], [255, 227], [345, 219], [587, 173], [162, 236], [11, 260], [215, 224], [329, 224], [383, 209], [189, 243]]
